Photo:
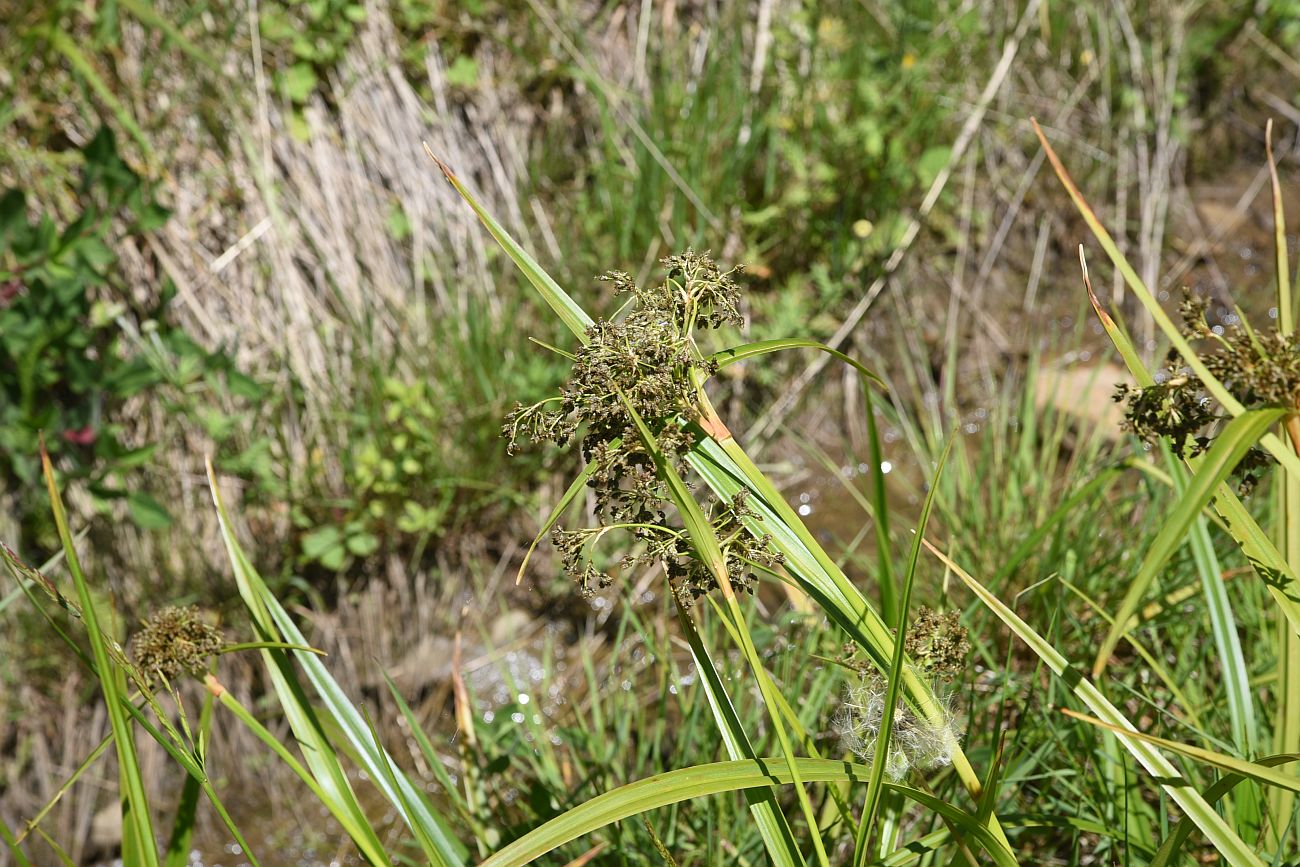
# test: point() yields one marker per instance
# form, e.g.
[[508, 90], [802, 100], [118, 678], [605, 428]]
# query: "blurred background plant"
[[76, 346]]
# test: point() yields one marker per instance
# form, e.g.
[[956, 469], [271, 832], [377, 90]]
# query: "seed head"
[[175, 641], [646, 359], [1259, 368], [936, 643], [915, 742]]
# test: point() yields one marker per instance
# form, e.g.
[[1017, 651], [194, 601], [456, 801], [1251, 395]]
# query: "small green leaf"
[[931, 163], [362, 544], [147, 512], [463, 72], [320, 541], [298, 82], [243, 386]]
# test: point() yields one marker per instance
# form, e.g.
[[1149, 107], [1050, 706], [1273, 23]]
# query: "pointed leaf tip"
[[1092, 295], [446, 170]]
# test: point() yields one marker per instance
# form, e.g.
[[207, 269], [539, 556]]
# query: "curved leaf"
[[773, 826], [570, 495], [138, 841], [879, 757], [763, 347], [713, 779]]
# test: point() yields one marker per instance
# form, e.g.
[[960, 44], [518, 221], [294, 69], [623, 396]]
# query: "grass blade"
[[726, 468], [746, 351], [82, 65], [1285, 311], [12, 845], [879, 758], [178, 845], [1252, 770], [713, 779], [144, 11], [1237, 438], [880, 511], [1286, 735], [353, 823], [135, 806], [1173, 844], [707, 547], [274, 624], [1233, 849], [431, 756], [67, 784], [772, 824], [573, 316]]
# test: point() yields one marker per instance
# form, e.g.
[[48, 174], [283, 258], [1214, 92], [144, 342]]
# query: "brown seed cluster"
[[936, 642], [646, 358], [175, 641], [1259, 368]]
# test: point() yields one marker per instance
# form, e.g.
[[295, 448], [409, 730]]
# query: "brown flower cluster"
[[647, 359], [175, 641], [1259, 369]]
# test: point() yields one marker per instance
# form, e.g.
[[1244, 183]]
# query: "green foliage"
[[305, 41], [421, 458], [815, 172], [70, 357]]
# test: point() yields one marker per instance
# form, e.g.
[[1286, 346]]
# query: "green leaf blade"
[[1213, 468]]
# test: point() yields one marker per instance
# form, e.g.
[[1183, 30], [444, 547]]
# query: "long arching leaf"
[[713, 779], [763, 347]]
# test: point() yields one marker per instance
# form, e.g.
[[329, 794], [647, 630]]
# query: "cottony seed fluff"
[[936, 646]]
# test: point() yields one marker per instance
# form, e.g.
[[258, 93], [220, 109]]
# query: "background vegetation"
[[222, 237]]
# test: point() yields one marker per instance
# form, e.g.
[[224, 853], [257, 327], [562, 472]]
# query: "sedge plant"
[[1223, 409], [638, 393], [638, 404]]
